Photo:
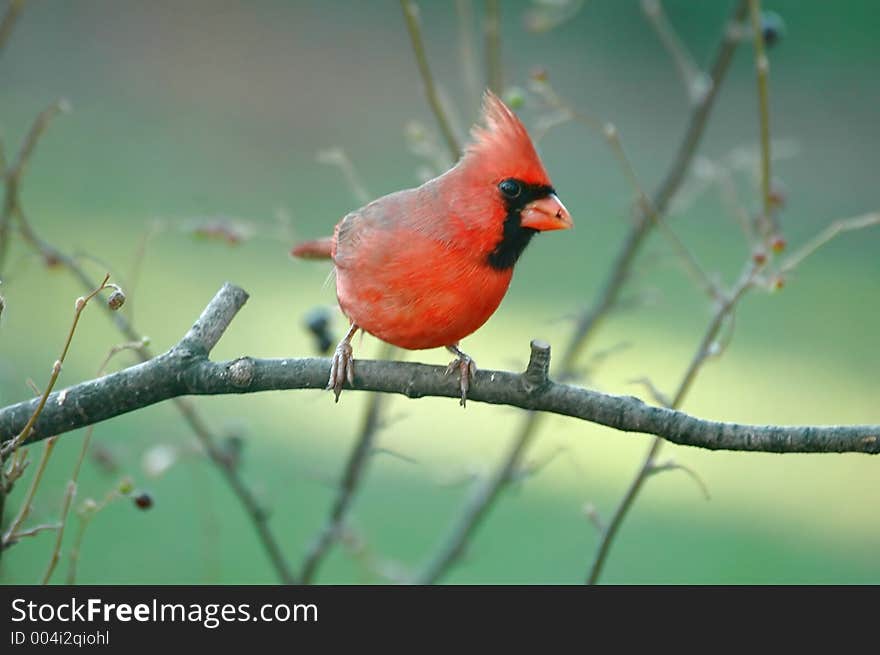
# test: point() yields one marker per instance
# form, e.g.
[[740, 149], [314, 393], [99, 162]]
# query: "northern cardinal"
[[426, 267]]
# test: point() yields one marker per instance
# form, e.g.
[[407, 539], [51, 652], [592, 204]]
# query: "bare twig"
[[35, 530], [647, 208], [493, 45], [338, 158], [762, 69], [133, 275], [70, 493], [608, 131], [9, 19], [86, 516], [675, 466], [648, 465], [79, 306], [12, 534], [836, 228], [694, 79], [411, 14], [465, 12], [13, 174], [354, 471], [478, 505], [12, 446]]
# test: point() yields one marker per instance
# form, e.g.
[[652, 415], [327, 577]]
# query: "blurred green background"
[[184, 112]]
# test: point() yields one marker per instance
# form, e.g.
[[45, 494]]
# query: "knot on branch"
[[241, 372], [188, 353], [537, 372]]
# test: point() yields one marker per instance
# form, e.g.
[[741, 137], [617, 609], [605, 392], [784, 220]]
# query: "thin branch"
[[647, 208], [465, 11], [133, 275], [675, 466], [762, 69], [608, 131], [355, 468], [70, 493], [186, 371], [493, 45], [464, 528], [34, 531], [836, 228], [690, 73], [79, 306], [13, 174], [24, 511], [478, 505], [8, 22], [411, 14], [13, 445], [87, 514], [337, 157], [648, 466]]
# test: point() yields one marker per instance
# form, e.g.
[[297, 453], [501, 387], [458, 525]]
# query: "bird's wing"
[[377, 227]]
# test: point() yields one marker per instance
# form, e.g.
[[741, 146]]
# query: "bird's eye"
[[510, 188]]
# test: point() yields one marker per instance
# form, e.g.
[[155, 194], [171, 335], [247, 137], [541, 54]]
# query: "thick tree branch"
[[185, 370]]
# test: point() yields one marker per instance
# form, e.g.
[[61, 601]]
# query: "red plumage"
[[426, 267]]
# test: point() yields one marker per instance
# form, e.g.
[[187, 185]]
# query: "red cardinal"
[[426, 267]]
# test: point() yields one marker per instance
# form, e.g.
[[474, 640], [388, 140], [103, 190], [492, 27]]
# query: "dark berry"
[[772, 28], [143, 500]]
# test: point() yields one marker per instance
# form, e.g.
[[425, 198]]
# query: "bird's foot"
[[341, 367], [467, 369]]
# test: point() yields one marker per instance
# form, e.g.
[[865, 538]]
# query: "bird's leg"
[[467, 369], [342, 364]]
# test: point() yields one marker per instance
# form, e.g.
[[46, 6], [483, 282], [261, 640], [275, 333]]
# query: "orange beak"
[[546, 213]]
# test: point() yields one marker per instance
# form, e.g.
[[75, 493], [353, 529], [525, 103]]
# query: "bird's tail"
[[316, 249]]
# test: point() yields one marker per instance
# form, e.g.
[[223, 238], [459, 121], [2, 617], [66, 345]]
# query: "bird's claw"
[[341, 369], [467, 369]]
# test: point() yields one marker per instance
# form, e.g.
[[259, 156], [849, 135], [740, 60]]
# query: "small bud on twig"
[[540, 74], [51, 260], [759, 256], [126, 486], [515, 97], [116, 299], [610, 131], [778, 195]]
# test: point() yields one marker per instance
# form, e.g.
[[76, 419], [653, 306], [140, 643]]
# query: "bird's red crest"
[[502, 147]]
